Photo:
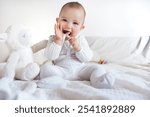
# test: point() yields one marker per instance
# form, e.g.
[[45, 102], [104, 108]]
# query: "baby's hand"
[[102, 61], [73, 41], [58, 33]]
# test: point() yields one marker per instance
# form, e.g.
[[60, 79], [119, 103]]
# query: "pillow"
[[117, 49], [132, 50], [38, 52], [39, 46]]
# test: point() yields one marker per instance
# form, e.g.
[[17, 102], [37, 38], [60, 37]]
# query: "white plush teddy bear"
[[16, 60], [19, 63]]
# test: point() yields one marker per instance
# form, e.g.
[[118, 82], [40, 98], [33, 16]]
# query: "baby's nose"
[[69, 25]]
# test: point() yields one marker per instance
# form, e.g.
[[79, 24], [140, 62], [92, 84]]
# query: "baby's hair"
[[73, 5]]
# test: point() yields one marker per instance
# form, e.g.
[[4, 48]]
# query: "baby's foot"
[[105, 81]]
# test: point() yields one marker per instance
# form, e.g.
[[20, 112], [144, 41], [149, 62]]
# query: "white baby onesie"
[[65, 57], [70, 65]]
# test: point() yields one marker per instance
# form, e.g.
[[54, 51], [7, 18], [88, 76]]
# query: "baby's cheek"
[[75, 33]]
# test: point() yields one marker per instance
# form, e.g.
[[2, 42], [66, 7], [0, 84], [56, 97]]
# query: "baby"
[[69, 51]]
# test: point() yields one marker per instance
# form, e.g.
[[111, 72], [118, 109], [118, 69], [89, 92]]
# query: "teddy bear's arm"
[[10, 67]]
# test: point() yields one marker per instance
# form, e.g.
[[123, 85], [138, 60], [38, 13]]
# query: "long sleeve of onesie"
[[54, 51], [85, 54]]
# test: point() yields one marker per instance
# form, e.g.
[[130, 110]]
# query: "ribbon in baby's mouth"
[[66, 34]]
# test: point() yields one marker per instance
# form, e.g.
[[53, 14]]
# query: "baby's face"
[[71, 20]]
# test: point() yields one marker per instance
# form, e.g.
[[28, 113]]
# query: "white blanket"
[[131, 83], [128, 60]]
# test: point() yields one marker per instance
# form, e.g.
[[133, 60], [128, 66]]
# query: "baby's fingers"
[[59, 27], [102, 61]]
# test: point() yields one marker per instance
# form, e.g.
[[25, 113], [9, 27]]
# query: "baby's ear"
[[82, 27]]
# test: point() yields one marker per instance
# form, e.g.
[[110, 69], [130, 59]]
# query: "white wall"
[[104, 17]]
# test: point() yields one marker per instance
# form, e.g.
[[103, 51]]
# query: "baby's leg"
[[51, 77], [97, 75], [51, 70]]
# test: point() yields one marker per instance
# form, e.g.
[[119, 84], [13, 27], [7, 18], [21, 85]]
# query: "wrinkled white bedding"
[[131, 83], [128, 60]]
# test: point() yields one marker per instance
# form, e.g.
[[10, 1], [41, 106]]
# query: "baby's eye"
[[75, 23], [65, 20]]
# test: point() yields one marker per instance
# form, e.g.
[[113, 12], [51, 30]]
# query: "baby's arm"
[[74, 43], [52, 49], [85, 54], [54, 45], [58, 38]]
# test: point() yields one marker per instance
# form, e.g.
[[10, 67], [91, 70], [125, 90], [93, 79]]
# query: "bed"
[[128, 58]]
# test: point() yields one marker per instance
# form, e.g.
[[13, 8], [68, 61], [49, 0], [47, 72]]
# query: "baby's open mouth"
[[66, 32]]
